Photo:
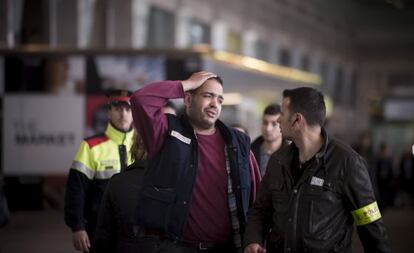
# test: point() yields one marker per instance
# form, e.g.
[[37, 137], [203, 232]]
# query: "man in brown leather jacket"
[[314, 190]]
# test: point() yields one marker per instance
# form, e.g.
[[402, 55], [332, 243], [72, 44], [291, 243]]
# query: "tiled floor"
[[36, 231], [400, 228], [45, 232]]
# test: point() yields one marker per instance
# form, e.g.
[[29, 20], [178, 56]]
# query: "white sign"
[[399, 109], [41, 133]]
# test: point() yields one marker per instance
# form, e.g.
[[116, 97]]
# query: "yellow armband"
[[366, 214]]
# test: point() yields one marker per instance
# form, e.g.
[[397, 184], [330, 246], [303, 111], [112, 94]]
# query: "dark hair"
[[272, 109], [218, 79], [118, 93], [138, 150], [309, 102]]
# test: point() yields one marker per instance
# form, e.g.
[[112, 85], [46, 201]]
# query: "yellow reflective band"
[[366, 214]]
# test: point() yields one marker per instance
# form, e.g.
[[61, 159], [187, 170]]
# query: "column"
[[183, 26]]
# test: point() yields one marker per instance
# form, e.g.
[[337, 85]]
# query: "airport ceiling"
[[388, 4], [397, 13]]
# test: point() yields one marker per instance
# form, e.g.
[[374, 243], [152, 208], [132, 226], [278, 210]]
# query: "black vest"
[[165, 198]]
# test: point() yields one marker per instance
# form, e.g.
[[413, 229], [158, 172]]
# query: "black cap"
[[118, 96]]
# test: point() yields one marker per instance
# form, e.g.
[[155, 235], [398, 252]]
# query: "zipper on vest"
[[122, 156], [193, 166]]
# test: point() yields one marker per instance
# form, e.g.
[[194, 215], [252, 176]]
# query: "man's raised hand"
[[196, 80]]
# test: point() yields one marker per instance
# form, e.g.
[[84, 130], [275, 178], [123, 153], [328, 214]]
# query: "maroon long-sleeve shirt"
[[209, 216]]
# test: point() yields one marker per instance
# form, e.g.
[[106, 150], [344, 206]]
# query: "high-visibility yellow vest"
[[99, 157]]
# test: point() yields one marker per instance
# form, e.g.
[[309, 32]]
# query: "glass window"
[[305, 63], [234, 42], [34, 23], [200, 33], [262, 50], [285, 57], [400, 79], [55, 74], [161, 28]]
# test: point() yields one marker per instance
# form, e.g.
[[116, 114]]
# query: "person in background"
[[4, 208], [97, 160], [271, 139], [116, 230], [406, 165], [314, 190], [386, 177], [363, 146], [201, 175]]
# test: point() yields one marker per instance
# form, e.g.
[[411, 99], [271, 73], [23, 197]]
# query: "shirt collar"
[[117, 136], [321, 153]]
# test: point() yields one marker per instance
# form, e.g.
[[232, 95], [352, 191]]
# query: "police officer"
[[97, 160]]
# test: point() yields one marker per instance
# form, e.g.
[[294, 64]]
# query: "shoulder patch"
[[96, 139]]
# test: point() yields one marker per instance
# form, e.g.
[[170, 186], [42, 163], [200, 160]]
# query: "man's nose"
[[214, 102], [124, 111]]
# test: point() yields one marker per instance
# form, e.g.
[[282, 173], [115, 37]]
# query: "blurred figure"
[[407, 175], [314, 189], [385, 177], [201, 175], [4, 209], [271, 139], [363, 146], [116, 229], [97, 160]]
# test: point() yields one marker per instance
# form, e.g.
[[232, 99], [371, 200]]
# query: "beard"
[[200, 119]]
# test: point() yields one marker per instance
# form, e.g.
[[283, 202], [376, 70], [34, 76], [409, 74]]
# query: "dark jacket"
[[167, 188], [116, 230], [98, 158], [316, 214], [257, 151], [4, 209]]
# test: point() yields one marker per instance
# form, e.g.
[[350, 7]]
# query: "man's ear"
[[187, 99], [300, 119], [296, 119]]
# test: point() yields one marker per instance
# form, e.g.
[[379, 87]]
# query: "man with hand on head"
[[201, 174]]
